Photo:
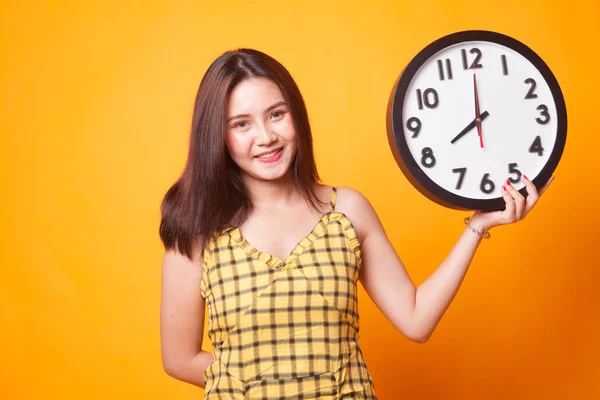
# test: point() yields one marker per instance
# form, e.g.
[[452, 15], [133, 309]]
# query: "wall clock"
[[471, 110]]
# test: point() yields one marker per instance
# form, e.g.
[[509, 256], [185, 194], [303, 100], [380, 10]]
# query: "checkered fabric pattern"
[[286, 329]]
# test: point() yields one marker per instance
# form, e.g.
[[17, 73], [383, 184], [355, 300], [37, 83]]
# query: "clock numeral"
[[475, 64], [429, 97], [414, 125], [544, 113], [487, 186], [536, 146], [428, 159], [462, 172], [530, 94], [512, 169], [504, 66], [441, 69]]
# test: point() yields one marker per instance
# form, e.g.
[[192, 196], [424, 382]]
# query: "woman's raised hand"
[[517, 205]]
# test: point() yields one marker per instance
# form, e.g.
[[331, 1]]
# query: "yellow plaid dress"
[[286, 329]]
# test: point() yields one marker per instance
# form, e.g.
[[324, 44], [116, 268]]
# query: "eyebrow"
[[278, 104]]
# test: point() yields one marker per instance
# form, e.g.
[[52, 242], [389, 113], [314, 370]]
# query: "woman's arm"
[[415, 312], [182, 319]]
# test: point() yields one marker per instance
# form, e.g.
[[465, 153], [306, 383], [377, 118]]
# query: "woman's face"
[[260, 137]]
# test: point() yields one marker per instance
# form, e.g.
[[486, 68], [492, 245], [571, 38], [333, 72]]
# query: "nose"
[[264, 135]]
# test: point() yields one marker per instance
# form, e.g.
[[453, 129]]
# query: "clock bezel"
[[408, 164]]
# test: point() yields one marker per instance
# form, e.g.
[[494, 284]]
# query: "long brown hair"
[[210, 193]]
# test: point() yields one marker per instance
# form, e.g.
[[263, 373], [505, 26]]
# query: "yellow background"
[[95, 108]]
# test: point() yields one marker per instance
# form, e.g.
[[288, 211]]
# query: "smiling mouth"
[[271, 154]]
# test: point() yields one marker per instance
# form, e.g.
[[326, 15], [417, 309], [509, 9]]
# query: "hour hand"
[[472, 125]]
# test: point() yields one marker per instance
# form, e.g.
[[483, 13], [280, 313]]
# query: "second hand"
[[477, 116]]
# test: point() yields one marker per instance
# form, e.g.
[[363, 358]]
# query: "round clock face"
[[472, 110]]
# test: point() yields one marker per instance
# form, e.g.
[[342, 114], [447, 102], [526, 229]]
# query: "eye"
[[241, 124], [277, 114]]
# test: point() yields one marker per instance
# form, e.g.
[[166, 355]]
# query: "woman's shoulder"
[[357, 208], [347, 198]]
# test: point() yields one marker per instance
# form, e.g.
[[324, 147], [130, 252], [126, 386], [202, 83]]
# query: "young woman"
[[276, 256]]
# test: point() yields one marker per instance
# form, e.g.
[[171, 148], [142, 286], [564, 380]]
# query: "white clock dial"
[[473, 110], [519, 107]]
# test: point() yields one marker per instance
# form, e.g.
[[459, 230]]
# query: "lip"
[[271, 159], [268, 151]]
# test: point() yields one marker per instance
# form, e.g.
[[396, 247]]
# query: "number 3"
[[544, 113]]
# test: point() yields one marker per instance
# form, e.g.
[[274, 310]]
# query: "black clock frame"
[[397, 138]]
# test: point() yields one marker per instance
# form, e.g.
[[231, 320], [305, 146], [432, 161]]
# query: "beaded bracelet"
[[486, 235]]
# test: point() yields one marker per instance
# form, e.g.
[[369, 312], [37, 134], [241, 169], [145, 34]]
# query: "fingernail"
[[525, 176], [504, 188], [507, 182]]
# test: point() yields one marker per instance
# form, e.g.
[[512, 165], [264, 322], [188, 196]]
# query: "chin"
[[273, 175]]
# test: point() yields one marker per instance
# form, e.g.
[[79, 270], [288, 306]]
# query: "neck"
[[279, 193]]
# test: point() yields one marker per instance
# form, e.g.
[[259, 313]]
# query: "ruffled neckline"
[[304, 243]]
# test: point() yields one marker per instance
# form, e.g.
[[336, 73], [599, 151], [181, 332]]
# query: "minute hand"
[[472, 125]]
